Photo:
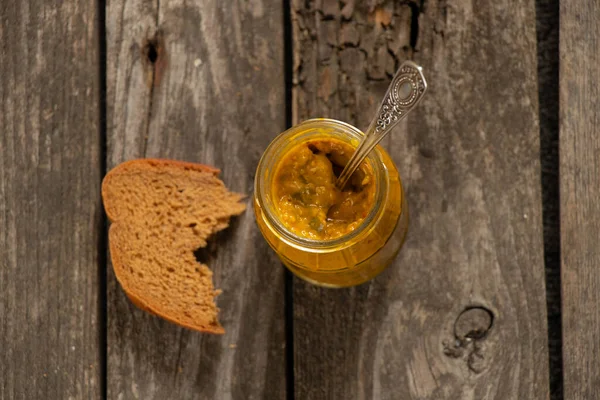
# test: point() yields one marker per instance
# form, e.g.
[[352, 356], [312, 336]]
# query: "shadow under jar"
[[357, 255]]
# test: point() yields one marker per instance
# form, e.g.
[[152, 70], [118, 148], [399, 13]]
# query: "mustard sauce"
[[305, 195]]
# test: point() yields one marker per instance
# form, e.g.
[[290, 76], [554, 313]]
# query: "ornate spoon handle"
[[405, 91]]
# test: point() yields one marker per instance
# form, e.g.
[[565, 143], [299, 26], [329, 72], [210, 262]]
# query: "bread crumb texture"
[[161, 212]]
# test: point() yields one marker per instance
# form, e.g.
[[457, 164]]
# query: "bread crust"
[[115, 244]]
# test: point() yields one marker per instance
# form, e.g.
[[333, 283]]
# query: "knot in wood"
[[152, 49], [473, 323]]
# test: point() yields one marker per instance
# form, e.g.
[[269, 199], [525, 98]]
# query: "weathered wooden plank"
[[200, 81], [579, 197], [469, 156], [50, 212]]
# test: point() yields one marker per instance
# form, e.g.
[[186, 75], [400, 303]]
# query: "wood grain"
[[469, 156], [579, 197], [50, 212], [200, 81]]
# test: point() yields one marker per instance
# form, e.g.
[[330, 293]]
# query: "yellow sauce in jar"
[[355, 233], [306, 199]]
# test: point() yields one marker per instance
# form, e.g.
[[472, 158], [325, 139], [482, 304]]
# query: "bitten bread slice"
[[161, 212]]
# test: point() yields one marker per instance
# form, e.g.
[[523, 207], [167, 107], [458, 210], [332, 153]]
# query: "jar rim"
[[273, 152]]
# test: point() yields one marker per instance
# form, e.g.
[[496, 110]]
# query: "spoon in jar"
[[403, 94]]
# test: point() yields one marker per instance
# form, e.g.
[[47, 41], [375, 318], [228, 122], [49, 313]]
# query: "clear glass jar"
[[355, 257]]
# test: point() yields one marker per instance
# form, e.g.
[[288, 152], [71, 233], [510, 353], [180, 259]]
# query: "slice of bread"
[[161, 212]]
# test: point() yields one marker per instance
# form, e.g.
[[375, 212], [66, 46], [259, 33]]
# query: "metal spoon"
[[405, 91]]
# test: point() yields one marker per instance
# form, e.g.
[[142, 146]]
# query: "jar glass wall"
[[355, 257]]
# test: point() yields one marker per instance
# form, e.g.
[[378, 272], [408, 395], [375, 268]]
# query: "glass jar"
[[356, 257]]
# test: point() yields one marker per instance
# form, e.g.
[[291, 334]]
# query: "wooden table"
[[472, 307]]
